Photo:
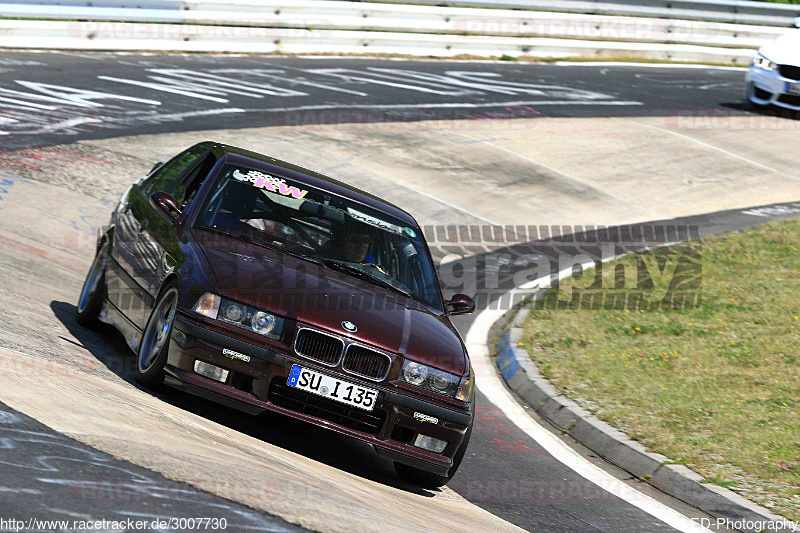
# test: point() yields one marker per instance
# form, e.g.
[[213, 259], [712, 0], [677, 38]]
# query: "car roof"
[[271, 165]]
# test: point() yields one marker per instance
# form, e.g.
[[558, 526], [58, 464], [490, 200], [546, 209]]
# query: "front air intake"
[[366, 363], [319, 346]]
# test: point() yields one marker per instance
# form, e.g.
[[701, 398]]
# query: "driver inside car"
[[353, 244]]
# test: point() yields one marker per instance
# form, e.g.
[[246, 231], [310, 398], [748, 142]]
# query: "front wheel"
[[429, 480], [94, 290], [152, 356]]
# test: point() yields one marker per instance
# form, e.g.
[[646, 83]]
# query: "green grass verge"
[[716, 387]]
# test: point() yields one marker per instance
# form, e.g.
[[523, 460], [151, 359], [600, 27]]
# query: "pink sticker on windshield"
[[265, 181]]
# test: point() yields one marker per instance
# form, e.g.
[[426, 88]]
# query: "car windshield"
[[339, 233]]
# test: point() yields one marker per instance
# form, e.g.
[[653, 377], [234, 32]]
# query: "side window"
[[170, 177], [194, 180]]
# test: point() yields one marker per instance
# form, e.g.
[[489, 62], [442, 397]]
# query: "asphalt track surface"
[[55, 98], [502, 461], [43, 471]]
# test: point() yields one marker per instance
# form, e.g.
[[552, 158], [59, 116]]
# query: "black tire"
[[152, 354], [429, 480], [93, 292]]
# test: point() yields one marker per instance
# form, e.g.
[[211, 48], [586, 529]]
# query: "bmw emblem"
[[349, 326]]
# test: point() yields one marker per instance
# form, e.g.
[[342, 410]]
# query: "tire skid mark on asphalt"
[[74, 266], [551, 169], [19, 195]]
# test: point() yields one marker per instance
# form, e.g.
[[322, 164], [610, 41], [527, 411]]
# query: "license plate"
[[333, 388], [792, 88]]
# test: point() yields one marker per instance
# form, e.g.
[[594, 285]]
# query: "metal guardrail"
[[730, 11], [74, 35], [362, 16], [733, 11], [359, 27]]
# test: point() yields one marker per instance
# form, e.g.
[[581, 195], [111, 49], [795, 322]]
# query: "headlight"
[[429, 378], [414, 373], [240, 315], [763, 63], [233, 312], [263, 323]]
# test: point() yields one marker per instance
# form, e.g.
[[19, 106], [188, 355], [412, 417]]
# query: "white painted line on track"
[[717, 148], [19, 491], [165, 88], [63, 125], [15, 102], [192, 114], [451, 206], [275, 74], [456, 105]]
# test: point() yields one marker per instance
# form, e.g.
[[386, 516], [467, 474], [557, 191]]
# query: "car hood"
[[324, 298], [785, 50]]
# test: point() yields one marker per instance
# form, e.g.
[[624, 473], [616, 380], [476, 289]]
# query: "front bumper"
[[260, 384], [770, 88]]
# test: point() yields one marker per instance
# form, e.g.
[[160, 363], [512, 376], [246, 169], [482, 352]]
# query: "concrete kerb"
[[524, 378]]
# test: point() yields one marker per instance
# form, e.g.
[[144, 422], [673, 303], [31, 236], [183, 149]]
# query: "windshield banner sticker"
[[372, 221], [265, 181]]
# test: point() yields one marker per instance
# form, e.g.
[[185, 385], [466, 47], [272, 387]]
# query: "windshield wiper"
[[252, 239], [301, 256], [363, 274]]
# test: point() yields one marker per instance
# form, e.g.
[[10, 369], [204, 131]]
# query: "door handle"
[[143, 226]]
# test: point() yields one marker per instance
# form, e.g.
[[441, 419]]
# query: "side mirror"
[[460, 304], [156, 167], [166, 203]]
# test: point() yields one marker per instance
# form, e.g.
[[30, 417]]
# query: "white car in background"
[[774, 75]]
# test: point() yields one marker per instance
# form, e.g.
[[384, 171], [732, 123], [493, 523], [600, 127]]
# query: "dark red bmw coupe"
[[265, 286]]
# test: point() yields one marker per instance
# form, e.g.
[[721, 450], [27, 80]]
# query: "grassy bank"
[[715, 387]]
